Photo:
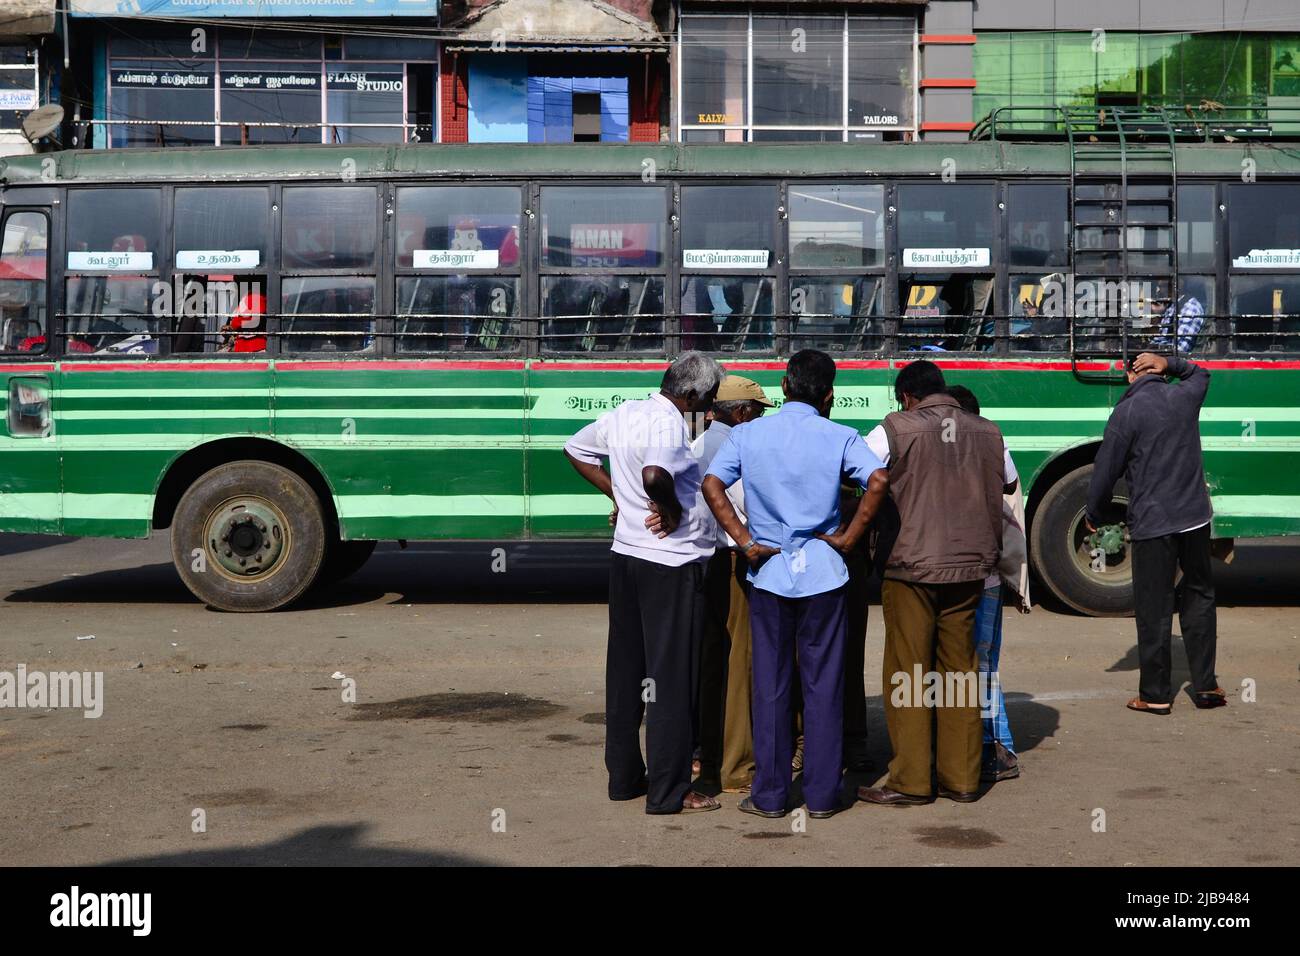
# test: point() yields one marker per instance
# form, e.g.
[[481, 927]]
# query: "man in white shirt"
[[726, 736], [663, 537]]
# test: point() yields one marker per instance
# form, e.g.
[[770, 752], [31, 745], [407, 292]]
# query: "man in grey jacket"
[[1154, 441]]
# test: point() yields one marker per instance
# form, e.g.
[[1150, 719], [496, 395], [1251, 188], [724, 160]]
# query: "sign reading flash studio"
[[252, 8], [362, 82]]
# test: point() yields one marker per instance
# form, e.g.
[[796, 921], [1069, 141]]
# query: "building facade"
[[235, 72]]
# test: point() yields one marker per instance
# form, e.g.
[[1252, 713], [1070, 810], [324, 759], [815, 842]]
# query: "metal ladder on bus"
[[1110, 148]]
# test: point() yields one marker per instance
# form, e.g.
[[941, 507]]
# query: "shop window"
[[180, 90], [263, 44], [603, 313], [23, 270], [603, 227], [715, 71], [881, 72], [329, 227], [442, 313], [798, 71], [279, 102], [367, 94]]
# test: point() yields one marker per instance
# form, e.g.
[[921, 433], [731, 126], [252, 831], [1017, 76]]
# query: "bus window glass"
[[1038, 225], [327, 313], [946, 227], [458, 227], [22, 282], [111, 314], [1185, 325], [1038, 314], [727, 313], [221, 227], [837, 227], [458, 313], [603, 227], [728, 227], [329, 227], [603, 313], [836, 314], [945, 313], [1266, 313], [1196, 227], [1263, 226], [218, 313], [114, 230]]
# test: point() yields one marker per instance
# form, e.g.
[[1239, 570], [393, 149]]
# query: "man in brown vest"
[[947, 475]]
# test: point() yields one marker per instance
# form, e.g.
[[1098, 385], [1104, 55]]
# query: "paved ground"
[[239, 716]]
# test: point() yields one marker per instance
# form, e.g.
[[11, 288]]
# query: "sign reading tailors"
[[455, 258], [945, 258], [725, 258], [252, 8], [110, 261]]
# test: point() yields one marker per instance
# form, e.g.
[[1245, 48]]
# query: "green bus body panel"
[[444, 160], [428, 449]]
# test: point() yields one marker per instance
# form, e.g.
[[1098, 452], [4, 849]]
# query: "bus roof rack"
[[1205, 122]]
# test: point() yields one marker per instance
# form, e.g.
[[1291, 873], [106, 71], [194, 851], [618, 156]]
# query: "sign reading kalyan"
[[251, 8]]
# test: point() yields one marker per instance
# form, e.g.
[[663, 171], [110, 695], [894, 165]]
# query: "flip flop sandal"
[[703, 808], [1142, 707]]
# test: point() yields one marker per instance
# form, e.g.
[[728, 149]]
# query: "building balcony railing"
[[410, 132], [1204, 122]]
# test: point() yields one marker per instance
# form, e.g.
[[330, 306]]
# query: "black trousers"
[[656, 620], [714, 650], [1155, 561]]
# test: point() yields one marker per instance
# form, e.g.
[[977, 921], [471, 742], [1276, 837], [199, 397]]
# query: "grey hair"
[[734, 406], [692, 372]]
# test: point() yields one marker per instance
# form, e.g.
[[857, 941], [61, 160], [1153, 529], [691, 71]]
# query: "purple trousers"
[[814, 627]]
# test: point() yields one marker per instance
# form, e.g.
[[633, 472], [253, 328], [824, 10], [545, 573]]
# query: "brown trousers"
[[933, 626], [726, 676]]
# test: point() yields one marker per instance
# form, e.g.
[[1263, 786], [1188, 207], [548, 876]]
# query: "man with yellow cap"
[[725, 736]]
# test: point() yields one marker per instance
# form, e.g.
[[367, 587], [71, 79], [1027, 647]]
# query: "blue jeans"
[[988, 644]]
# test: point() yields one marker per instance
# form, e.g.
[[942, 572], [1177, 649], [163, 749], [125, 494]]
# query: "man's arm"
[[1106, 469], [1010, 477], [584, 451], [665, 510], [715, 493], [846, 540], [1195, 380]]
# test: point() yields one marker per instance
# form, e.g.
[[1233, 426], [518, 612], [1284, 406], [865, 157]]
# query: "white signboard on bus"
[[455, 258], [1268, 259], [725, 258], [110, 261], [217, 258], [945, 258]]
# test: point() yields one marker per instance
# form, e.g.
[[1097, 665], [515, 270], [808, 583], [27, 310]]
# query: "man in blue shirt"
[[792, 463]]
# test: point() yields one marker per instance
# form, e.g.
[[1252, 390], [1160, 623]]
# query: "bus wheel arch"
[[1059, 554]]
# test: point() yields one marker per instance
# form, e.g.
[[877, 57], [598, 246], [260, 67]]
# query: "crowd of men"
[[743, 547]]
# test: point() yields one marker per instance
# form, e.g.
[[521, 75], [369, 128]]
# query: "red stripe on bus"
[[1248, 363], [1021, 366], [397, 366], [167, 367], [26, 368]]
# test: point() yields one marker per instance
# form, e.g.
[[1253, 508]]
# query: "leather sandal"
[[1144, 707]]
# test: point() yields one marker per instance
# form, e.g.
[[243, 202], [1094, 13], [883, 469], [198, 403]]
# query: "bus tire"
[[249, 536], [344, 559], [1061, 559]]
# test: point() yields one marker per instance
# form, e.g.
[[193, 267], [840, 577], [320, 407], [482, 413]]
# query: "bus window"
[[1196, 220], [1038, 313], [327, 313], [836, 314], [219, 313], [458, 313], [603, 313], [22, 282], [330, 227], [222, 228], [945, 313], [837, 227], [1263, 226], [1266, 313], [727, 226], [448, 227], [111, 314], [727, 313], [603, 227], [1038, 225], [946, 226], [114, 230]]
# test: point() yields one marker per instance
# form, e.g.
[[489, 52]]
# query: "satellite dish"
[[42, 121]]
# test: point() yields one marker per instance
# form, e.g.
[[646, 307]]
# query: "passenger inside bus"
[[603, 313], [945, 311], [726, 313]]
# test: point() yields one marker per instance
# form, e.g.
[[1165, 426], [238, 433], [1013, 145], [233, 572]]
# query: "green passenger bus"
[[285, 354]]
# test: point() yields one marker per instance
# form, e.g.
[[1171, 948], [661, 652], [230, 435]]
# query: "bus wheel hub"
[[247, 536]]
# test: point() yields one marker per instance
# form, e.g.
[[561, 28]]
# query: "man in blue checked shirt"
[[791, 464], [1191, 319]]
